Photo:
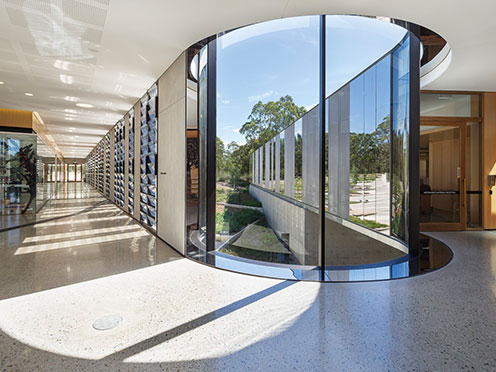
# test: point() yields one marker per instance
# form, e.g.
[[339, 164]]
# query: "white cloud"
[[235, 130], [225, 102], [260, 96]]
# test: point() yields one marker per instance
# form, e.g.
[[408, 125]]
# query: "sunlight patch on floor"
[[75, 234], [80, 242]]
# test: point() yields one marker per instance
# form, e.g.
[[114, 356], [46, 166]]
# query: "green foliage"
[[241, 197], [369, 152], [367, 223], [240, 218], [233, 221], [268, 119], [264, 122]]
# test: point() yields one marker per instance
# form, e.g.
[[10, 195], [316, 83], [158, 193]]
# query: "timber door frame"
[[462, 126]]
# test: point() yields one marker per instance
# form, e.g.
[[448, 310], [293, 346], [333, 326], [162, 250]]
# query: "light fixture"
[[84, 105], [66, 79], [445, 97], [62, 65], [28, 94], [1, 82], [71, 99]]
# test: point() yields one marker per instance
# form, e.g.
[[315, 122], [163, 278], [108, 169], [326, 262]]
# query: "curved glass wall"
[[310, 139]]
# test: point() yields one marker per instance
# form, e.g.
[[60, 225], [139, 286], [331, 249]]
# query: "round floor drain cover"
[[107, 322]]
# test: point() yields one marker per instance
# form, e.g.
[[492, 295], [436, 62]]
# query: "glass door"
[[71, 170], [442, 176], [79, 172]]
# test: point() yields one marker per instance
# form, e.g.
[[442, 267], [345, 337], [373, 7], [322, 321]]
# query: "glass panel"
[[439, 173], [371, 39], [400, 138], [18, 176], [195, 137], [358, 139], [473, 174], [267, 148], [358, 173], [258, 114], [53, 172], [79, 172], [202, 139], [443, 104], [71, 172], [60, 172]]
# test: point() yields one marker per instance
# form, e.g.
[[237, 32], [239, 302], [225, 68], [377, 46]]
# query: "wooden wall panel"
[[16, 118], [489, 160]]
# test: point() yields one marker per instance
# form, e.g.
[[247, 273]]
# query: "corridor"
[[60, 276]]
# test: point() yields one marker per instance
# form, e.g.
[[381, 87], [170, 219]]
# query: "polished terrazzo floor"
[[180, 315]]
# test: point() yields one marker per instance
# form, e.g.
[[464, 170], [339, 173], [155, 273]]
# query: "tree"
[[369, 152], [221, 159], [264, 122], [268, 119]]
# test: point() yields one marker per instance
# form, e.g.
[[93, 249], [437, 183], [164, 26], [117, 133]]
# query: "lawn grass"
[[367, 223]]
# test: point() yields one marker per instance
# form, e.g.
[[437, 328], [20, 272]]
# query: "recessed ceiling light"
[[66, 79], [1, 83], [71, 99], [28, 94], [84, 105]]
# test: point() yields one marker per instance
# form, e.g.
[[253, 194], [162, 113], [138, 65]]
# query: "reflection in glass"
[[400, 136], [71, 170], [264, 132], [440, 174], [267, 147], [18, 173], [473, 174], [451, 105]]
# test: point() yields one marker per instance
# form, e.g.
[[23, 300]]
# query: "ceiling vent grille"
[[84, 13], [103, 2], [39, 5]]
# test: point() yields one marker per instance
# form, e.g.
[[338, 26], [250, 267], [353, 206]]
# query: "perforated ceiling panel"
[[102, 2], [53, 49], [84, 12], [40, 5]]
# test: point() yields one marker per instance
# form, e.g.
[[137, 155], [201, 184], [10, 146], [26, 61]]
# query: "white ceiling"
[[107, 53]]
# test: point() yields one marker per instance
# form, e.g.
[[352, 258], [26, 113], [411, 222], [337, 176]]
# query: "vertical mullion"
[[211, 141], [322, 92], [414, 143]]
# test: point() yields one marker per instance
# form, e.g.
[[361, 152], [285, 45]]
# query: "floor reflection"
[[57, 200], [98, 241], [435, 255]]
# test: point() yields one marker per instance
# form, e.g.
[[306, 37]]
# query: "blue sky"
[[265, 61]]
